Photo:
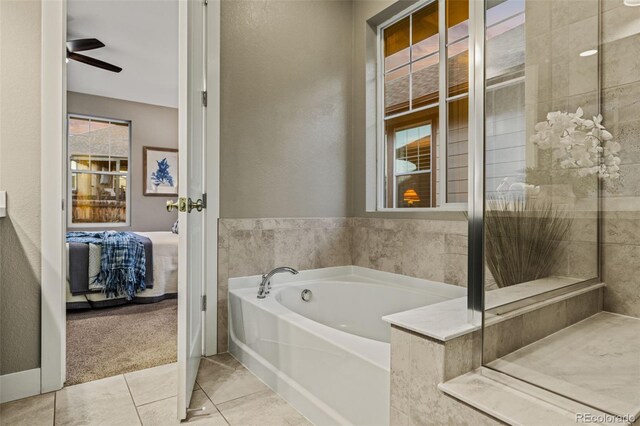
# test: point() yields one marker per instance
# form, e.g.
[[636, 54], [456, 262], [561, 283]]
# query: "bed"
[[165, 275]]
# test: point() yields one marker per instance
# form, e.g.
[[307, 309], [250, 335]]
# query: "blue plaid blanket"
[[122, 263]]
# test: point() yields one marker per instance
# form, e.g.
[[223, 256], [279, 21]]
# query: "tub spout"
[[265, 284]]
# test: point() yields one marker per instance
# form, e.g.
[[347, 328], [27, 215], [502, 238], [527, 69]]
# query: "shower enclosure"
[[555, 209]]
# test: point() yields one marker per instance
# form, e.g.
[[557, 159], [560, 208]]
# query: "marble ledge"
[[450, 319], [441, 321], [506, 295]]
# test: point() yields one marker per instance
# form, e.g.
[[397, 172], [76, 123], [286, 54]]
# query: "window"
[[98, 152], [424, 111]]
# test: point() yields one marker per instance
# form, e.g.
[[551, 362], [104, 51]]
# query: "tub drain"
[[306, 294]]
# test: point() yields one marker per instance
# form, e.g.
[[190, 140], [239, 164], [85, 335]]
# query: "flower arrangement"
[[579, 143]]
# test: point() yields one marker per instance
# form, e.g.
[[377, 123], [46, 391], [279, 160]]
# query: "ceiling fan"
[[83, 44]]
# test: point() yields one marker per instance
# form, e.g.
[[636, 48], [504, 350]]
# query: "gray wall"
[[286, 101], [151, 125], [621, 202], [20, 177]]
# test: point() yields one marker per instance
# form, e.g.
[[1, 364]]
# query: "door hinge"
[[63, 204], [205, 2], [204, 99], [203, 303]]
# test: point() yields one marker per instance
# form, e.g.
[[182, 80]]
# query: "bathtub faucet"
[[265, 284]]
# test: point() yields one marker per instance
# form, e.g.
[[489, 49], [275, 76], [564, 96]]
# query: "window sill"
[[456, 212], [451, 208]]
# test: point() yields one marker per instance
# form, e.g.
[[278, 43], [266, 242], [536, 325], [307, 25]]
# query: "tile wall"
[[621, 111], [429, 249]]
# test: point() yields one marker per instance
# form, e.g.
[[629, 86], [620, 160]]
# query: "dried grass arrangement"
[[523, 236]]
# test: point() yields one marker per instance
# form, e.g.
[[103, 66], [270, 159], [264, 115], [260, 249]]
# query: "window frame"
[[70, 172], [444, 98]]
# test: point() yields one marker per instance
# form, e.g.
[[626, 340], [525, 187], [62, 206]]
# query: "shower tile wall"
[[560, 79], [621, 111]]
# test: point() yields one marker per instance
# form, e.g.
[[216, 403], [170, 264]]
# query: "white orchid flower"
[[579, 143]]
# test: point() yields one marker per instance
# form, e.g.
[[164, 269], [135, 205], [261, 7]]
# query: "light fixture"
[[589, 52], [632, 3], [410, 196]]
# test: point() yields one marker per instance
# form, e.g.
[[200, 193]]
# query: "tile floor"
[[230, 393], [605, 346]]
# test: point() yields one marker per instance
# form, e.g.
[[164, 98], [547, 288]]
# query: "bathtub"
[[329, 356]]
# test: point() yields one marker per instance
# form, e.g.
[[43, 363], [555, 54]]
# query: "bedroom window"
[[99, 156], [423, 76]]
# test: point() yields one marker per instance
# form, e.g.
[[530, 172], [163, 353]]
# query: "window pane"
[[396, 91], [98, 198], [458, 67], [101, 147], [396, 44], [457, 20], [425, 31], [413, 149], [505, 45], [457, 151], [425, 84], [80, 162], [414, 190], [100, 164], [499, 11], [409, 159]]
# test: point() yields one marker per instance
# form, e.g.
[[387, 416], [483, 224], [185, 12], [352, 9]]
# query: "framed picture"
[[160, 171]]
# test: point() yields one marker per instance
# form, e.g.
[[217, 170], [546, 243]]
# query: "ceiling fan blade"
[[93, 62], [84, 44]]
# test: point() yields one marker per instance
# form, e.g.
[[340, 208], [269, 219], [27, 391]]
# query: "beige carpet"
[[111, 341]]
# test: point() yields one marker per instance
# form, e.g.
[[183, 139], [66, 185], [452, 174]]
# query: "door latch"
[[179, 205], [198, 205]]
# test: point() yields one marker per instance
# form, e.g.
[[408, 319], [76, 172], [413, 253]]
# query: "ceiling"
[[141, 36]]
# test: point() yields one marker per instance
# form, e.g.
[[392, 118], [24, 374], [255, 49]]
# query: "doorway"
[[196, 47]]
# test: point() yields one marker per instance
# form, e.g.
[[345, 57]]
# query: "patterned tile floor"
[[230, 394]]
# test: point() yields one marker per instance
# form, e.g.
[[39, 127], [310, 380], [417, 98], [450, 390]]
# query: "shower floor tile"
[[595, 362]]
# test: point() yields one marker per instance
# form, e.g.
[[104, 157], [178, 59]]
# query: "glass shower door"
[[547, 152]]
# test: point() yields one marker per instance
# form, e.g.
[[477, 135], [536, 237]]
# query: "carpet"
[[111, 341]]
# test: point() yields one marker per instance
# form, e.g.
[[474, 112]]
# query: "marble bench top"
[[450, 319]]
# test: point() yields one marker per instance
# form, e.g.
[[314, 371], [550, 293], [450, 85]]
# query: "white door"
[[192, 178]]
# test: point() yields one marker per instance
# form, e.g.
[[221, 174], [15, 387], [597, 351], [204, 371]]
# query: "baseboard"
[[19, 385]]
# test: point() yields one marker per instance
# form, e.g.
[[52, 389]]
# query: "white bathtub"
[[328, 357]]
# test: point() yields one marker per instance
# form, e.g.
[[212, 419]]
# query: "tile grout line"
[[55, 403], [249, 394], [212, 403], [220, 364], [132, 400], [234, 369], [153, 402]]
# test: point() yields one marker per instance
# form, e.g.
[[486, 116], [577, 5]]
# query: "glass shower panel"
[[548, 151], [542, 148]]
